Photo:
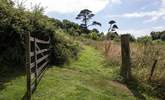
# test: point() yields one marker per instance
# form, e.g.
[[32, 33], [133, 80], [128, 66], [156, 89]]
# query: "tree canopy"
[[85, 15]]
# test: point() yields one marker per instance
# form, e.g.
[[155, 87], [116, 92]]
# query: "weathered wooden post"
[[126, 62], [28, 70], [35, 61]]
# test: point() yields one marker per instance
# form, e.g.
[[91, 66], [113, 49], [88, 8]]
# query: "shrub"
[[144, 39], [63, 48], [15, 22]]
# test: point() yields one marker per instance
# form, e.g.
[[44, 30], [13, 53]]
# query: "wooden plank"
[[41, 75], [32, 82], [28, 65], [40, 41], [31, 38], [32, 76], [42, 51], [31, 54], [33, 88], [35, 61], [39, 52], [38, 49], [42, 66], [43, 58], [32, 65]]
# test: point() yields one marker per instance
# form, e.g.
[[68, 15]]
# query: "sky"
[[137, 17]]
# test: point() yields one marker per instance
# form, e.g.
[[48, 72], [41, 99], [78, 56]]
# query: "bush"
[[144, 39], [63, 49], [15, 22]]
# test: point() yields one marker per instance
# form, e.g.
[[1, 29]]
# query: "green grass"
[[88, 78], [14, 89], [85, 79]]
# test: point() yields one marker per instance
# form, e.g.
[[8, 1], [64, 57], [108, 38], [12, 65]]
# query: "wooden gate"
[[37, 59]]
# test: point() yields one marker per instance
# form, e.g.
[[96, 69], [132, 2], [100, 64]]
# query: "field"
[[87, 78]]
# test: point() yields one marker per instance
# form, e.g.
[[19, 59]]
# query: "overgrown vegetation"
[[16, 22], [147, 59]]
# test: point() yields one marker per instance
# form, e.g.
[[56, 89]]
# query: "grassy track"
[[88, 78]]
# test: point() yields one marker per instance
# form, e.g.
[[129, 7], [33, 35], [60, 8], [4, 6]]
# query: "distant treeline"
[[158, 35]]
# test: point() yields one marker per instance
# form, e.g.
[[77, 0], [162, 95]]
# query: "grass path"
[[88, 78]]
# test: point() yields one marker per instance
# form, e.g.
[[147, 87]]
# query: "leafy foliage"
[[112, 34], [158, 35], [144, 39], [85, 15], [113, 26], [15, 22]]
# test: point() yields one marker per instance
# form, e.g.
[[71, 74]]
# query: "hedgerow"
[[15, 22]]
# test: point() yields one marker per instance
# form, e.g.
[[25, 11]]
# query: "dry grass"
[[143, 57], [114, 53]]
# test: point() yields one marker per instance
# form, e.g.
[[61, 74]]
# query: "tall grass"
[[147, 62], [143, 58]]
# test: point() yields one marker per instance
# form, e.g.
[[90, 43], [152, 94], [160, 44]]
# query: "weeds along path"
[[88, 78]]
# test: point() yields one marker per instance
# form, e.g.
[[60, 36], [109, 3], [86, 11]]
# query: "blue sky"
[[138, 17]]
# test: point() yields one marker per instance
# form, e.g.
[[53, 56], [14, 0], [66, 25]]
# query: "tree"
[[155, 35], [131, 37], [85, 15], [112, 30], [162, 36], [158, 35], [95, 30], [110, 36], [113, 26], [145, 39], [95, 23]]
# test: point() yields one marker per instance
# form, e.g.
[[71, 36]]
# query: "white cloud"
[[151, 15], [141, 32], [139, 14], [135, 32], [70, 6], [158, 28], [163, 2], [164, 17], [116, 1]]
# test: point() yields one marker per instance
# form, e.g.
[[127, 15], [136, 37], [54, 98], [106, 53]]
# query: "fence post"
[[126, 62], [35, 61], [28, 69]]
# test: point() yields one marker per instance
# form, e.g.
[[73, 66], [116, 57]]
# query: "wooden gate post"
[[35, 61], [28, 70], [126, 62]]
